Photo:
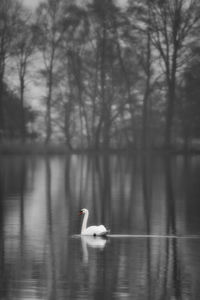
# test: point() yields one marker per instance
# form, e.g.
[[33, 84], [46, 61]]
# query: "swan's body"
[[95, 230], [91, 230]]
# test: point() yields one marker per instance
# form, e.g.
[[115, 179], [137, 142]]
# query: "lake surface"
[[153, 201]]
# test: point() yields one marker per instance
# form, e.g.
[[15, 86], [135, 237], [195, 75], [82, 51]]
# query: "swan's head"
[[83, 211]]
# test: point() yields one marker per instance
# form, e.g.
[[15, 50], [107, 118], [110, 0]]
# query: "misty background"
[[100, 74]]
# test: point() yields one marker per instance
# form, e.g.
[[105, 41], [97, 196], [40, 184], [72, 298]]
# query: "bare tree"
[[147, 64], [8, 16], [22, 50], [171, 25], [108, 63], [49, 15]]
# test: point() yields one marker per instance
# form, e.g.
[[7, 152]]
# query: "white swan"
[[92, 230]]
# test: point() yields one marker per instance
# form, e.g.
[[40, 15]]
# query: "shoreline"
[[55, 148]]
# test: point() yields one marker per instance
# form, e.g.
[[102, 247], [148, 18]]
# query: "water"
[[150, 204]]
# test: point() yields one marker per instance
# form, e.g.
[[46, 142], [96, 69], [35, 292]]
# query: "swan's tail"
[[104, 233]]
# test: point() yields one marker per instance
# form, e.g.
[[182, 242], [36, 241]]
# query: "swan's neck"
[[85, 219]]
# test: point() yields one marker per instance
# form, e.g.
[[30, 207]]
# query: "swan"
[[92, 230]]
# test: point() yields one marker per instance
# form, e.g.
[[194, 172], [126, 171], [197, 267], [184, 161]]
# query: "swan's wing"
[[102, 230], [91, 230]]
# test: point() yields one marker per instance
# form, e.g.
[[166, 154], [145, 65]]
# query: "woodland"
[[113, 75]]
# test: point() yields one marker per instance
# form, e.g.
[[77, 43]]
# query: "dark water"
[[41, 256]]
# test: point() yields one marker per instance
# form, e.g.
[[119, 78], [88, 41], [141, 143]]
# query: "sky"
[[32, 4]]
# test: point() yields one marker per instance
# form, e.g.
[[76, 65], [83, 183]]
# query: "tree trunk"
[[48, 119], [49, 104], [2, 70], [103, 76], [23, 126], [97, 135], [67, 108], [171, 82], [169, 117], [145, 112], [1, 111], [106, 131]]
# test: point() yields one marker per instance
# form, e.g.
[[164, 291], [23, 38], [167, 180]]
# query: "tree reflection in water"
[[39, 201]]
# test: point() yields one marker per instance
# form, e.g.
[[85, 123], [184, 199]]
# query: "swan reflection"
[[91, 242]]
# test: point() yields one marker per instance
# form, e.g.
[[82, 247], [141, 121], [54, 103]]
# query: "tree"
[[139, 15], [12, 115], [8, 15], [50, 36], [111, 89], [147, 65], [71, 70], [172, 23], [189, 105], [23, 48]]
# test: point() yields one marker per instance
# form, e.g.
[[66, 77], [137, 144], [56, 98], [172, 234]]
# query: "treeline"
[[116, 75]]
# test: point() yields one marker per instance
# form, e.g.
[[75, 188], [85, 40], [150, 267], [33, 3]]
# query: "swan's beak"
[[80, 213]]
